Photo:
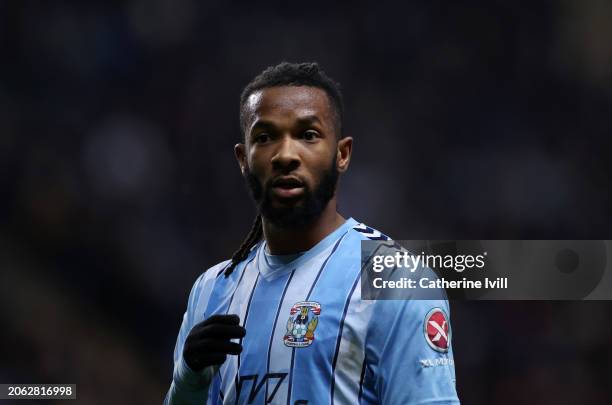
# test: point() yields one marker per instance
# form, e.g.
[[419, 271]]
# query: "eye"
[[310, 135], [262, 137]]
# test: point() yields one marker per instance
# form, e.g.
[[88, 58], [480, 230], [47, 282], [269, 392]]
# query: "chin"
[[284, 209]]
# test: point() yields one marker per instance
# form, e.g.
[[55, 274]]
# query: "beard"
[[305, 210]]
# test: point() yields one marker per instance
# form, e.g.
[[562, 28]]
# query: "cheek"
[[257, 164], [321, 163]]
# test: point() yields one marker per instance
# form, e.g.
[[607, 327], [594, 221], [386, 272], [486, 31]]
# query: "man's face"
[[290, 154]]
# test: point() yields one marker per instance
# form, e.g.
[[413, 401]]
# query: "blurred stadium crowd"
[[484, 119]]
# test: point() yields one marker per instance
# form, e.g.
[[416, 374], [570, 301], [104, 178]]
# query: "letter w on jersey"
[[255, 387]]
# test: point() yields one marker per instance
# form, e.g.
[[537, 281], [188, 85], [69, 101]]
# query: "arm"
[[188, 386], [201, 347], [412, 361]]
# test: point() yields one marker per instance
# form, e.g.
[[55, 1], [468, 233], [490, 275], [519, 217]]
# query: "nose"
[[286, 157]]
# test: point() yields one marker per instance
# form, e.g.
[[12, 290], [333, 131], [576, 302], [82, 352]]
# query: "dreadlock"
[[285, 74], [243, 251]]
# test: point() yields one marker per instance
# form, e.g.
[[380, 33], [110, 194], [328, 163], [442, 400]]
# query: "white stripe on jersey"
[[269, 392], [303, 280], [346, 380], [245, 288]]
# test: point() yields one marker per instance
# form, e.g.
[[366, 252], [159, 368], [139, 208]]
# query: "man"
[[283, 321]]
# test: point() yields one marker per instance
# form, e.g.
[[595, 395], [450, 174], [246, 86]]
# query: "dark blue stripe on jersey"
[[363, 369], [307, 297], [346, 305], [223, 269], [393, 270], [220, 384], [274, 328], [239, 280], [227, 312], [246, 317], [323, 265], [368, 231], [377, 237]]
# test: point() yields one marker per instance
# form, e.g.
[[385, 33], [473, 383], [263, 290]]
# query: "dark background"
[[485, 119]]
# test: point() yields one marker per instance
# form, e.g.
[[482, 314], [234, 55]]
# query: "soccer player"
[[283, 321]]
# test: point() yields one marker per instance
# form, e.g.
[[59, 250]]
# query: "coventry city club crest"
[[302, 324]]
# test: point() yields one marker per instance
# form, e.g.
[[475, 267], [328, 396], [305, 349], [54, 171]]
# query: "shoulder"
[[213, 273], [367, 232], [205, 282], [216, 270], [376, 241], [209, 275]]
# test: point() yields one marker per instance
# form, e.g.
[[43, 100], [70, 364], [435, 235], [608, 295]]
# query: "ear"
[[345, 148], [240, 153]]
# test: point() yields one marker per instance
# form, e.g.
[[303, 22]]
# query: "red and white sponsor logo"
[[437, 333]]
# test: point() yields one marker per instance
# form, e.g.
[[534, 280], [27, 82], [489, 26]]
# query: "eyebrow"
[[301, 122], [261, 124]]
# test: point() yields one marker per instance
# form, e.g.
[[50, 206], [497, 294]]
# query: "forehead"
[[288, 101]]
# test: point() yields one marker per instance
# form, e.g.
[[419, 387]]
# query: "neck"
[[285, 241]]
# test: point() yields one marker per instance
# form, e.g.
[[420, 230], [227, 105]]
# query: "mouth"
[[287, 187]]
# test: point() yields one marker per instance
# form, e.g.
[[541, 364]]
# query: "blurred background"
[[484, 119]]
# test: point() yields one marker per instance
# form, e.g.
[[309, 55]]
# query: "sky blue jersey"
[[311, 339]]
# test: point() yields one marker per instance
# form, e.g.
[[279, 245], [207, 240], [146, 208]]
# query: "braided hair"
[[284, 74], [251, 240]]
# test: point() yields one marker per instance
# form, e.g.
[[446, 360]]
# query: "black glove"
[[208, 343]]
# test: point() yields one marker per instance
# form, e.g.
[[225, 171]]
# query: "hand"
[[208, 343]]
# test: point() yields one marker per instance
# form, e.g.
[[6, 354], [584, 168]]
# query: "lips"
[[287, 182], [287, 187]]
